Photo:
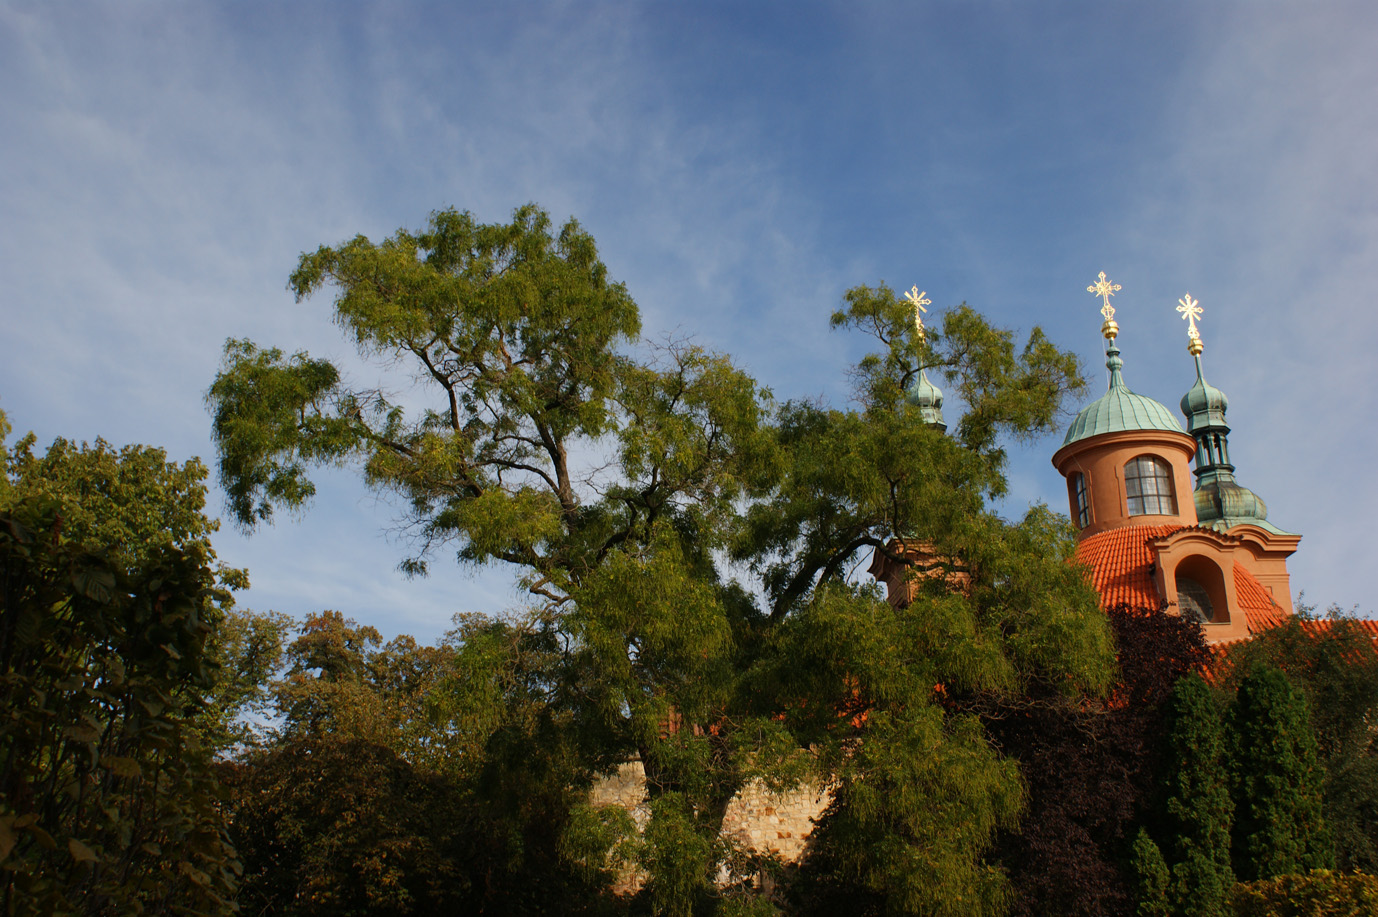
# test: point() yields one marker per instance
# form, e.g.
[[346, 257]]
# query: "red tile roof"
[[1121, 562], [1323, 625], [1316, 628], [1260, 611]]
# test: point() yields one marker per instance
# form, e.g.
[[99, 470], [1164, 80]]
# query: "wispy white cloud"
[[166, 163], [1266, 210]]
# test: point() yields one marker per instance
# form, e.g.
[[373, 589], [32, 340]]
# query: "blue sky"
[[162, 166]]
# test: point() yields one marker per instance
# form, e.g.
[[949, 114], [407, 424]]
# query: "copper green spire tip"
[[1114, 364], [1221, 502]]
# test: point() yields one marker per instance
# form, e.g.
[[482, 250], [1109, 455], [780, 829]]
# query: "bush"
[[1321, 893]]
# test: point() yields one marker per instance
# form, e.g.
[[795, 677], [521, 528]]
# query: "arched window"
[[1193, 599], [1082, 502], [1148, 487]]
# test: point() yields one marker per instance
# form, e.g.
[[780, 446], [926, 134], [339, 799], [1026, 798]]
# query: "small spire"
[[1106, 289], [923, 394], [1114, 364], [1221, 501]]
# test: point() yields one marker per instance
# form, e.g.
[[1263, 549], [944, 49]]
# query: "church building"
[[1149, 535]]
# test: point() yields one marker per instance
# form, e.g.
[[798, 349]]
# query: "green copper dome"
[[1204, 405], [1119, 409], [928, 398], [1221, 502]]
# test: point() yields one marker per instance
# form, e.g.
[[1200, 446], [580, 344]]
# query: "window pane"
[[1193, 599], [1148, 487], [1083, 506]]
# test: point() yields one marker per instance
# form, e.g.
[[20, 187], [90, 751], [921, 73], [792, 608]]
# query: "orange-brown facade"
[[1148, 559]]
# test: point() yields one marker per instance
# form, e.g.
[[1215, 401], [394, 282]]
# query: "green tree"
[[1150, 878], [106, 801], [329, 825], [619, 479], [1195, 824], [1331, 660], [126, 669], [998, 608], [449, 785], [133, 505], [1279, 828]]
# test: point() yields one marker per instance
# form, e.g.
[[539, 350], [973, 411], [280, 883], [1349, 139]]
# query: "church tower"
[[1149, 538]]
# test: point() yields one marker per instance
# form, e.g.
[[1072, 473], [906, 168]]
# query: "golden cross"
[[1191, 311], [1104, 289], [919, 300]]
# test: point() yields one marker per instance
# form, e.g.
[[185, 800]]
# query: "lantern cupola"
[[1125, 457], [1221, 502]]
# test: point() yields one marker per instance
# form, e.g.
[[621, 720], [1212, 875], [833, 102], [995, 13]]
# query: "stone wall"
[[774, 823], [625, 788], [756, 819]]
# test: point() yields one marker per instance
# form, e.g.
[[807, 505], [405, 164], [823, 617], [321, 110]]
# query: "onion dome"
[[1221, 501], [1204, 404], [1225, 504], [928, 399], [1119, 409]]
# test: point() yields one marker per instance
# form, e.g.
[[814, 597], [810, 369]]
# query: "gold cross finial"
[[1105, 289], [919, 300], [1191, 311]]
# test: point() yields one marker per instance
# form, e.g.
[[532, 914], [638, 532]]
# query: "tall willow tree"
[[623, 490]]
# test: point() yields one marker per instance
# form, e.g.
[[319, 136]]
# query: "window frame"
[[1148, 479], [1081, 499]]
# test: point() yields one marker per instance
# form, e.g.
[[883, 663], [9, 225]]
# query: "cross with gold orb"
[[1191, 311], [919, 300], [1106, 289]]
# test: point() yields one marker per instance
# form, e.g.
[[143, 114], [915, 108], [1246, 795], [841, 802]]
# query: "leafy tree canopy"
[[1331, 661], [106, 802], [1279, 828], [688, 544], [132, 506]]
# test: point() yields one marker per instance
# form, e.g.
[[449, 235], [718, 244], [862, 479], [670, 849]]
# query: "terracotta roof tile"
[[1260, 611], [1219, 664], [1321, 625], [1318, 626], [1121, 563]]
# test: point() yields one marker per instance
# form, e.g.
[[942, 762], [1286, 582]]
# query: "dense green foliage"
[[687, 545], [126, 669], [1251, 779], [1196, 816], [1151, 878], [1331, 660], [132, 506], [381, 793], [106, 801], [1278, 825], [338, 826]]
